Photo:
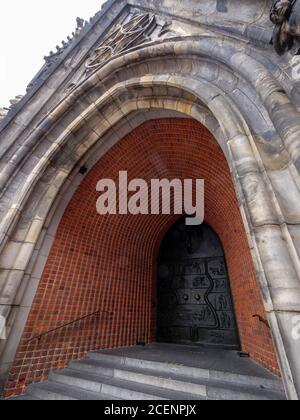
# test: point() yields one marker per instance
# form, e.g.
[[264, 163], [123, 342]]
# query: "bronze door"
[[194, 298]]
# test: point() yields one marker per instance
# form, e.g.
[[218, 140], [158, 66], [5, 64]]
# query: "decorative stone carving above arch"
[[135, 31]]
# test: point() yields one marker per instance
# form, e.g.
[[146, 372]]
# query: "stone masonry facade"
[[210, 92]]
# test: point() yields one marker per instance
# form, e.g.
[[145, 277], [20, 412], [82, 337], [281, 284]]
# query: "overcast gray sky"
[[29, 29]]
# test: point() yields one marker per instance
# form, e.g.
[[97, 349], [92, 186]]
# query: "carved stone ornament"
[[134, 32], [54, 57], [13, 103], [3, 113], [285, 14]]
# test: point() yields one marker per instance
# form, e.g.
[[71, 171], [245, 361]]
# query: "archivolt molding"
[[262, 56], [50, 120], [231, 57], [212, 95], [34, 175], [99, 88]]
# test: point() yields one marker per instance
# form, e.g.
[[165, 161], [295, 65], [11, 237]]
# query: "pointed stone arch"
[[206, 72], [123, 251]]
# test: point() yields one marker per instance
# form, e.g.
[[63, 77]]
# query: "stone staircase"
[[159, 372]]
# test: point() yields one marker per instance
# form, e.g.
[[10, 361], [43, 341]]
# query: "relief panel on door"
[[194, 298]]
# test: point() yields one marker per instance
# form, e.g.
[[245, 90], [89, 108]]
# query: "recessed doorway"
[[194, 298]]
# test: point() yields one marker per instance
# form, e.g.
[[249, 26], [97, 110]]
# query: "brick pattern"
[[108, 262]]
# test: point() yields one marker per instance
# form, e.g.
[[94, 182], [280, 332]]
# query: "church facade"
[[163, 89]]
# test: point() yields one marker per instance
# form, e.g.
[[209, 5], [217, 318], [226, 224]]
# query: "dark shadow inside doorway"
[[195, 303]]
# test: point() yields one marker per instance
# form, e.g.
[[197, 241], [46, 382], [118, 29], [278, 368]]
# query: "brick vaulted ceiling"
[[109, 262]]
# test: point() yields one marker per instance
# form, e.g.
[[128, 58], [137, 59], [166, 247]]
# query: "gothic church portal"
[[169, 91]]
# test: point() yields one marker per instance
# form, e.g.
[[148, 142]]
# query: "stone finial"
[[15, 101], [3, 113], [80, 23]]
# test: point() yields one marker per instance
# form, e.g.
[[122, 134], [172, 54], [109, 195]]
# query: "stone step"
[[159, 372], [55, 391], [119, 388], [206, 388], [188, 371]]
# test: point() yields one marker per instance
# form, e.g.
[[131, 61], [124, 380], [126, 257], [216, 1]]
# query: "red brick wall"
[[108, 262]]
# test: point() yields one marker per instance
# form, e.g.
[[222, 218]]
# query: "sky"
[[29, 30]]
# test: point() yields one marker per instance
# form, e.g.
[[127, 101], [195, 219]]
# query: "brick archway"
[[108, 263]]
